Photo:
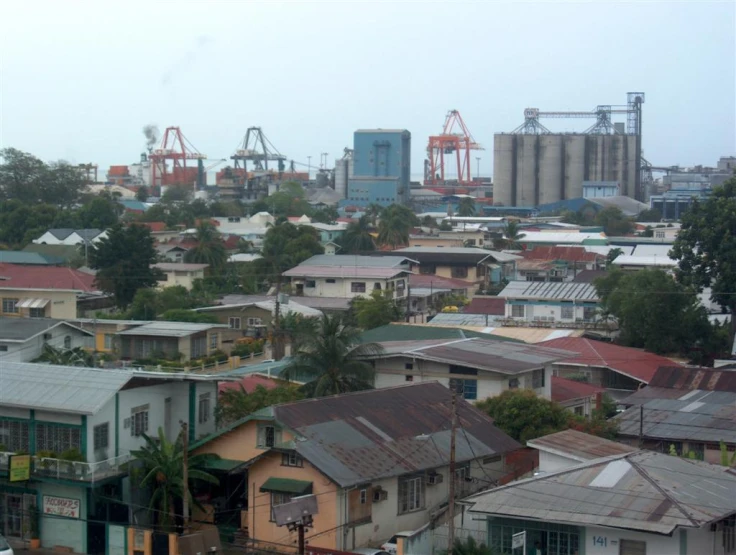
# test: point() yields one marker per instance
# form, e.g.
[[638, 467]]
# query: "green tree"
[[163, 462], [705, 247], [142, 193], [326, 215], [649, 215], [613, 222], [394, 226], [430, 222], [124, 262], [65, 357], [334, 359], [612, 255], [373, 212], [512, 234], [298, 328], [377, 310], [209, 248], [176, 193], [101, 212], [466, 207], [469, 546], [357, 238], [235, 404], [146, 305], [523, 415], [184, 315]]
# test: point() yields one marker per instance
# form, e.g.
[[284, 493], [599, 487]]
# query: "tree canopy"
[[613, 221], [209, 249], [357, 237], [395, 223], [377, 310], [466, 207], [234, 404]]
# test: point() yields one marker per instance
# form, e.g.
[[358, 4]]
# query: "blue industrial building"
[[382, 167]]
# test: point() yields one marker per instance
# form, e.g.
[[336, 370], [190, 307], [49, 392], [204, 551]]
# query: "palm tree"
[[334, 359], [373, 212], [163, 462], [65, 357], [357, 237], [209, 249], [466, 207], [512, 233]]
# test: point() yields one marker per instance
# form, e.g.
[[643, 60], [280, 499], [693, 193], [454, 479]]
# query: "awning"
[[285, 485], [228, 466], [32, 303]]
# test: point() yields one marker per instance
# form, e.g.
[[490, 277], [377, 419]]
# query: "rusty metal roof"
[[579, 446], [679, 377], [359, 437], [643, 491]]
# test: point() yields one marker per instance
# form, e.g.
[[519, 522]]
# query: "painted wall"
[[185, 278], [342, 287], [33, 348], [606, 541], [62, 304], [550, 462], [67, 532], [240, 444], [547, 310], [439, 242]]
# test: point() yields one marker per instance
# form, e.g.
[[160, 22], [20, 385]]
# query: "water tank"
[[341, 177], [504, 154], [527, 166], [551, 157], [574, 147]]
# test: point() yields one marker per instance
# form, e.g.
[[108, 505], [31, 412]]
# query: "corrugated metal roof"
[[320, 303], [568, 390], [467, 255], [343, 272], [554, 238], [345, 436], [170, 329], [415, 332], [683, 377], [624, 260], [179, 267], [23, 329], [26, 257], [643, 491], [388, 261], [550, 290], [59, 388], [579, 445], [464, 319]]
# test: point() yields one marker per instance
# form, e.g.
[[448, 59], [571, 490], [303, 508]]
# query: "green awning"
[[225, 465], [285, 485]]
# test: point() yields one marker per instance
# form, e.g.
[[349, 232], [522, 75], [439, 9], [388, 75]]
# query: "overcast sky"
[[80, 80]]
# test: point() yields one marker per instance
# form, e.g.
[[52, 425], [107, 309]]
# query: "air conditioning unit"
[[434, 478], [379, 495]]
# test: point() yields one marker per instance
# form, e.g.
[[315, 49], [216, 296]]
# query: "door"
[[167, 417], [632, 547], [13, 515]]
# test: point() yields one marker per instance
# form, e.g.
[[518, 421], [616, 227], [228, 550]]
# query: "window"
[[255, 322], [459, 272], [37, 312], [729, 534], [538, 379], [468, 389], [363, 496], [279, 499], [514, 383], [268, 436], [401, 284], [213, 341], [409, 378], [517, 310], [427, 270], [68, 342], [411, 494], [291, 459], [139, 420], [204, 408], [567, 312], [578, 411], [109, 338], [3, 348], [101, 436], [377, 286], [470, 242], [590, 313], [14, 435], [330, 280], [408, 366], [310, 284], [659, 234], [9, 306], [57, 439], [234, 322], [357, 287], [697, 450], [632, 547], [558, 539]]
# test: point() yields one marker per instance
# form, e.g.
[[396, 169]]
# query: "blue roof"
[[132, 204], [34, 258]]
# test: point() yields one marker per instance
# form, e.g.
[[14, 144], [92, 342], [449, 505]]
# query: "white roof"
[[626, 260], [554, 237], [652, 250], [243, 257], [170, 329], [605, 249]]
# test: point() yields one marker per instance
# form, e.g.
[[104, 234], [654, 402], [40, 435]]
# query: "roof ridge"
[[448, 342]]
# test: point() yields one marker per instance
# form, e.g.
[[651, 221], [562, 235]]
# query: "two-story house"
[[176, 273], [67, 236], [24, 340], [377, 461], [349, 276], [559, 303], [79, 426]]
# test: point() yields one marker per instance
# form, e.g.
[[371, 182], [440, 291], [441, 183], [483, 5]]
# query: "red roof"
[[635, 363], [249, 383], [568, 254], [429, 281], [565, 390], [153, 226], [487, 305], [51, 277]]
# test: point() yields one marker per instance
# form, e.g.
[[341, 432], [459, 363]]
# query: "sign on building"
[[19, 468], [61, 506]]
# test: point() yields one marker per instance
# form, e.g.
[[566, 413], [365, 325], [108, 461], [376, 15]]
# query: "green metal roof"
[[30, 258], [224, 465], [408, 332], [286, 485]]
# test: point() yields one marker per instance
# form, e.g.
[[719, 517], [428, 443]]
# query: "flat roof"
[[180, 266], [170, 329]]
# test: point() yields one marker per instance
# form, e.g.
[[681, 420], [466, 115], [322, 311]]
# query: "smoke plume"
[[151, 132]]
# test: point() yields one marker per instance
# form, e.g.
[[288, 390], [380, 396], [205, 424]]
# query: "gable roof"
[[52, 277], [304, 270], [555, 252], [589, 276], [634, 363], [427, 281], [249, 383], [448, 255], [356, 260], [26, 257], [61, 233], [688, 378], [19, 330], [566, 290], [644, 491], [410, 332], [486, 305], [567, 390], [358, 437], [63, 252], [579, 446], [170, 329]]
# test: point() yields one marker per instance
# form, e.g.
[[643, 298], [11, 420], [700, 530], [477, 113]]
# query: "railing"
[[578, 324], [71, 470]]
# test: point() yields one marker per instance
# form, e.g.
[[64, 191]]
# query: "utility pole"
[[185, 474], [300, 532], [451, 503]]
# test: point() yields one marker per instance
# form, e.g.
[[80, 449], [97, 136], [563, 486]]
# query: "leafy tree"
[[209, 248], [285, 246], [430, 222], [334, 357], [466, 207], [101, 212], [613, 221], [469, 546], [612, 255], [326, 215], [298, 328], [183, 315], [176, 193], [649, 215], [224, 209], [142, 193], [445, 226], [65, 357], [705, 247], [146, 305], [523, 415], [163, 462], [377, 310], [234, 404], [395, 224], [357, 237], [123, 261]]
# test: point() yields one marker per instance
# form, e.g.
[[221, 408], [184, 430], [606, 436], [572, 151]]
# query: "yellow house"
[[176, 273], [376, 461], [106, 331]]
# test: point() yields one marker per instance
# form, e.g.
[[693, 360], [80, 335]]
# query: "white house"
[[638, 503], [180, 273], [24, 339], [567, 302], [79, 426], [569, 448], [66, 236]]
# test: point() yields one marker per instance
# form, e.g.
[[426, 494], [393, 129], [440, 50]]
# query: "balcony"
[[59, 469]]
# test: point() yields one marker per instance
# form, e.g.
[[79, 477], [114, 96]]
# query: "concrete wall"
[[342, 287], [240, 444], [56, 530], [544, 311], [185, 278], [607, 541], [62, 304]]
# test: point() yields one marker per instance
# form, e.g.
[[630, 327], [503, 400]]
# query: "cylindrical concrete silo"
[[504, 155], [574, 165], [551, 159], [527, 170], [341, 177]]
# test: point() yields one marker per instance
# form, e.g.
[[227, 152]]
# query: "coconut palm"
[[163, 462], [334, 359], [357, 237], [209, 249], [395, 225], [373, 212], [466, 207], [512, 233]]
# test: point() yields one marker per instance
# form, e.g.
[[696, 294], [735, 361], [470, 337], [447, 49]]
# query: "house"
[[458, 287], [350, 276], [492, 324], [580, 398], [105, 331], [566, 303], [177, 340], [690, 410], [79, 426], [67, 236], [30, 258], [478, 267], [627, 504], [53, 292], [607, 364], [434, 241], [68, 254], [328, 233], [377, 461], [556, 263], [171, 252], [569, 448], [418, 332], [475, 368], [23, 340], [532, 239], [176, 273], [494, 306]]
